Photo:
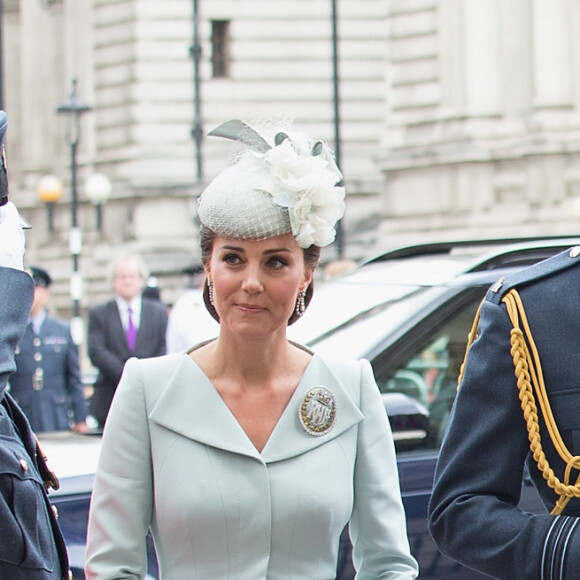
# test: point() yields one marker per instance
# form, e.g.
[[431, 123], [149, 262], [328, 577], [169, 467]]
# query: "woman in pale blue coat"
[[247, 455]]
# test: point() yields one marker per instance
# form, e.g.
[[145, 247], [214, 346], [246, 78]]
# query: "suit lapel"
[[190, 406], [142, 331], [117, 330], [148, 331]]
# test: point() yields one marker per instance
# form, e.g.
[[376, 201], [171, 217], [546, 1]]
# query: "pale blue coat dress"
[[176, 461]]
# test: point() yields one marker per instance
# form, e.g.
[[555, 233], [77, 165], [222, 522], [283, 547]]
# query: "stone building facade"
[[482, 119], [457, 118]]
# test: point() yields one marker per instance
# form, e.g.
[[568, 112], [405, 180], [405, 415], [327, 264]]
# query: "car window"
[[429, 375], [364, 333]]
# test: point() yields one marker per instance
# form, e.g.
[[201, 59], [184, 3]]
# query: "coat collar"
[[190, 406]]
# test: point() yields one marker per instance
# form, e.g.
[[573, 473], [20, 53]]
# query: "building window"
[[220, 48]]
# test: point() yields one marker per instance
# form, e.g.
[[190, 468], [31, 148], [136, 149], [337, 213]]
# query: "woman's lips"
[[250, 307]]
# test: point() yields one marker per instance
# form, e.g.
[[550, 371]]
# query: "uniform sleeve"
[[121, 505], [17, 291], [378, 526], [474, 515]]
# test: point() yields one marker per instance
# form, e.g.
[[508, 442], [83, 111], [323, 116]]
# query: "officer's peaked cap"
[[40, 277]]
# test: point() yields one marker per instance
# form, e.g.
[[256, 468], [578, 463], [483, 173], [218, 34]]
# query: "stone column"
[[482, 59], [552, 54]]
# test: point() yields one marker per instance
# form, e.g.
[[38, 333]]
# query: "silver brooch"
[[317, 411]]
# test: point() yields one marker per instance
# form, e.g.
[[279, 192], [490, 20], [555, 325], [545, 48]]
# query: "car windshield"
[[370, 289], [361, 335]]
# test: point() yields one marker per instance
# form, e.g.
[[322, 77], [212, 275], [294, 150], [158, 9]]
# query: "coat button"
[[23, 464], [574, 252]]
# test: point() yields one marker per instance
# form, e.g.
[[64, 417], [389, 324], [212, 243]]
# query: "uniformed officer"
[[47, 383], [518, 406], [31, 545]]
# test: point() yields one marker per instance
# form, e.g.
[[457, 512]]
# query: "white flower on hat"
[[307, 188]]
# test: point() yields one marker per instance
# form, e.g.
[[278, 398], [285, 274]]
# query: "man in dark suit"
[[47, 383], [32, 546], [127, 326]]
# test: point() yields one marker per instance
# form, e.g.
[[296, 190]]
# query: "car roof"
[[397, 273], [487, 253]]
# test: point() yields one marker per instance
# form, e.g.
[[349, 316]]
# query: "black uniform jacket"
[[474, 515], [31, 545]]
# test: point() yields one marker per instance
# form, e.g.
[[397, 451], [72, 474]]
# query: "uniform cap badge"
[[317, 411]]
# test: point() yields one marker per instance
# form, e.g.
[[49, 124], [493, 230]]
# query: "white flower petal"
[[307, 187]]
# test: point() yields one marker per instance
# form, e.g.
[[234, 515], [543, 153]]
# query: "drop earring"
[[301, 303], [210, 291]]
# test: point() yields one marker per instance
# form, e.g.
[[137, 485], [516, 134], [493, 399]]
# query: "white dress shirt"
[[124, 306]]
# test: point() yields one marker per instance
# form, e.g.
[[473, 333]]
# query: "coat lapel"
[[289, 438], [190, 406]]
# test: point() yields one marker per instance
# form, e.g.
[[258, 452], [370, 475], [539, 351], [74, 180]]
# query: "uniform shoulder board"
[[533, 273]]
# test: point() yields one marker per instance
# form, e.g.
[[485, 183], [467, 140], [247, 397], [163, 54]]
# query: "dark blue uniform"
[[47, 384], [31, 545], [520, 391]]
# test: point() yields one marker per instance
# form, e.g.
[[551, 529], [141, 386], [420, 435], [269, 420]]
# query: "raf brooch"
[[317, 411]]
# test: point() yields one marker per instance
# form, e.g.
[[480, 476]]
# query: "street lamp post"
[[336, 111], [74, 108], [197, 131]]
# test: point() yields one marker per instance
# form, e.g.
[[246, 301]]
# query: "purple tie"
[[131, 331]]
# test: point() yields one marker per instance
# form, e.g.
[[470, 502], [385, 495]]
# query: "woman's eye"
[[232, 259], [276, 262]]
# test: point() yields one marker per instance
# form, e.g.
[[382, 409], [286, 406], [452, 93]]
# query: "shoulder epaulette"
[[533, 273]]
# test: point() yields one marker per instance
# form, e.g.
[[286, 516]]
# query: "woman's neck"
[[251, 362]]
